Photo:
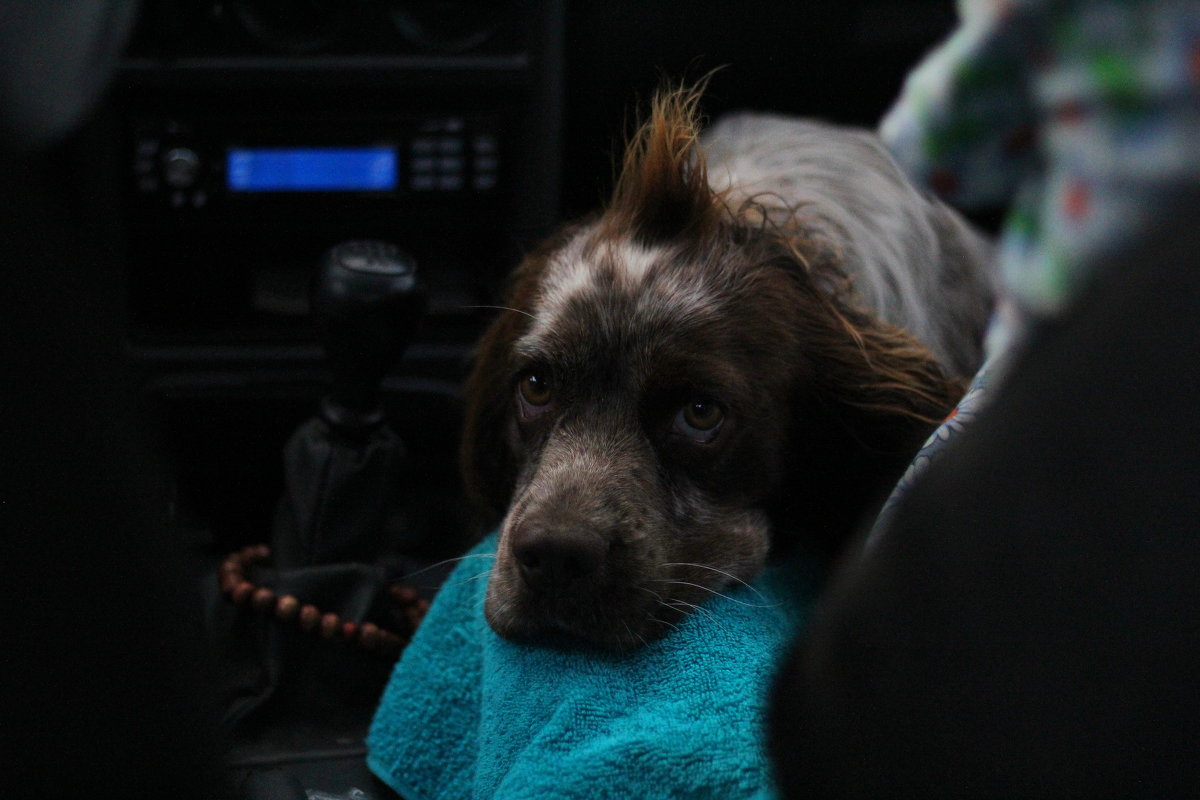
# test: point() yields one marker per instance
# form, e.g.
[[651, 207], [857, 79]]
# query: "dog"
[[742, 350]]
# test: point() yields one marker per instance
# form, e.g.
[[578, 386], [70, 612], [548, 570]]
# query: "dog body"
[[704, 359], [914, 262]]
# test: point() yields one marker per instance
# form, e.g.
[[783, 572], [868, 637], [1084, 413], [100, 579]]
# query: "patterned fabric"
[[1078, 116]]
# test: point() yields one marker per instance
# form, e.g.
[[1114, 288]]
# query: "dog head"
[[673, 379]]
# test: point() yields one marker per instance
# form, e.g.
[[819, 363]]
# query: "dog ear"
[[662, 192], [889, 382], [486, 459], [871, 396]]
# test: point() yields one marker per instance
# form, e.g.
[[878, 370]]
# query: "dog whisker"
[[674, 605], [472, 578], [684, 609], [652, 593], [637, 636], [502, 606], [690, 607], [719, 594], [711, 568], [502, 308], [457, 560], [670, 625]]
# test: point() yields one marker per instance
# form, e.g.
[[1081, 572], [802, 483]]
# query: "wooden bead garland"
[[231, 576]]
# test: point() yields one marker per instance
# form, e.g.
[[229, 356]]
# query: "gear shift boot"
[[340, 534]]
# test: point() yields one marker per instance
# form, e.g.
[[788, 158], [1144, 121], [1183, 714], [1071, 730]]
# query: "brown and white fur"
[[715, 364]]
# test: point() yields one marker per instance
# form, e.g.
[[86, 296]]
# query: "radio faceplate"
[[239, 166]]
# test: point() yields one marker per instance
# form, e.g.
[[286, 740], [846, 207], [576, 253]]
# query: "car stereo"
[[241, 166], [255, 135]]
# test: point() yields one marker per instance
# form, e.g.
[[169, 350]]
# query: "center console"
[[252, 141], [251, 136]]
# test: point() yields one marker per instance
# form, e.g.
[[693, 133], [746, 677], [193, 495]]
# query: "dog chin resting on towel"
[[743, 349]]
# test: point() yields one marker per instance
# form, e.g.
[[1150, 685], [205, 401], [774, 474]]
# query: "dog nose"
[[552, 561]]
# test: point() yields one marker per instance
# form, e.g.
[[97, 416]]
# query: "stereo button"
[[423, 182], [181, 166], [424, 146], [485, 144]]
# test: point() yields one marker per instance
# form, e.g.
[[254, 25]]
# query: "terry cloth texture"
[[470, 715]]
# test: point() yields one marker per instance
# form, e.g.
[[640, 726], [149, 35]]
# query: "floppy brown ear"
[[486, 458], [889, 384], [871, 397]]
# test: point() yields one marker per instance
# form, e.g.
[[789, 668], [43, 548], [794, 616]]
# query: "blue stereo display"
[[312, 169]]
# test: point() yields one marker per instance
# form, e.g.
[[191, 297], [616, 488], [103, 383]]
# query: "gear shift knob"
[[366, 305]]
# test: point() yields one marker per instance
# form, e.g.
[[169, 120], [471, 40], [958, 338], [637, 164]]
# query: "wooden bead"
[[231, 579], [287, 607], [415, 614], [229, 583], [405, 594], [263, 599], [309, 617], [242, 592]]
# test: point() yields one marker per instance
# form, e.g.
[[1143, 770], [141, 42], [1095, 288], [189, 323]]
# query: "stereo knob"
[[181, 167]]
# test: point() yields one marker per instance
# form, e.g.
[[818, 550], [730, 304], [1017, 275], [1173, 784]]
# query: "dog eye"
[[535, 394], [699, 420]]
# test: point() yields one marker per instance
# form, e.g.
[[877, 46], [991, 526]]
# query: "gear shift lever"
[[341, 533], [366, 305], [341, 468]]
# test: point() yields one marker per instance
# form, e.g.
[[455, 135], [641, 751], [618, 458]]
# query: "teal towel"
[[470, 715]]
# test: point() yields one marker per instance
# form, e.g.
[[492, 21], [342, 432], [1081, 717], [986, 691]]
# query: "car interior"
[[295, 220]]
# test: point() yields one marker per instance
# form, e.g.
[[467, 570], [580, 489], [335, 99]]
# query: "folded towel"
[[470, 715]]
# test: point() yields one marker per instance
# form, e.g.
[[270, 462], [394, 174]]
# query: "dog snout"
[[554, 560]]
